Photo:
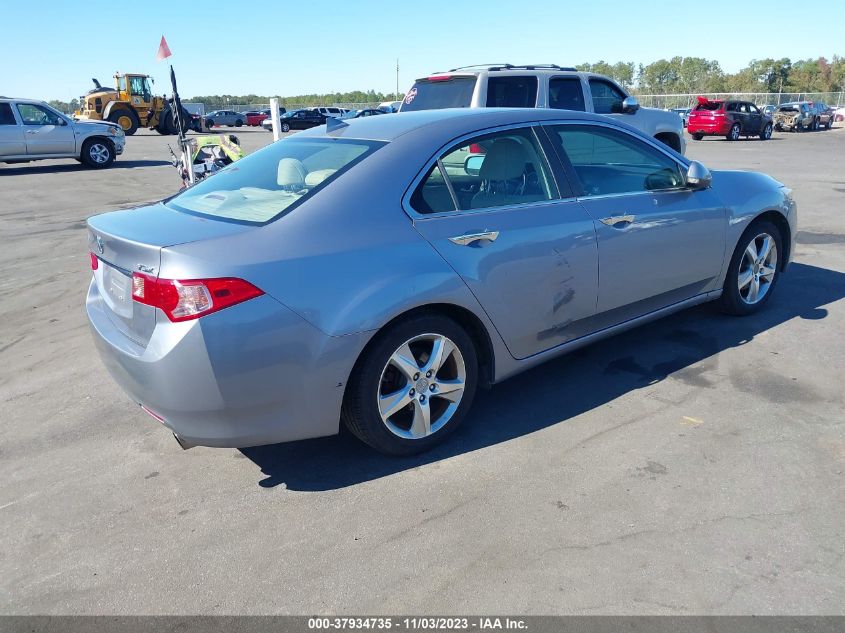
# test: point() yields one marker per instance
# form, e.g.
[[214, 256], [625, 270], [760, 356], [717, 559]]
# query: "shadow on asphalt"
[[20, 169], [565, 387]]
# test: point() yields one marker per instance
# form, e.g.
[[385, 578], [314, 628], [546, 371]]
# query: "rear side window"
[[566, 93], [607, 98], [732, 106], [6, 116], [454, 92], [501, 169], [260, 187], [512, 92]]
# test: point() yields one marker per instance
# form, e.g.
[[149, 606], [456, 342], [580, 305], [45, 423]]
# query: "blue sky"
[[288, 48]]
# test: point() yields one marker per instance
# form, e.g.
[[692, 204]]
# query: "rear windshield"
[[711, 106], [455, 92], [788, 108], [260, 187]]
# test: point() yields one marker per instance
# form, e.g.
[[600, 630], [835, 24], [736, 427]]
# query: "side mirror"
[[698, 176], [630, 105], [472, 165]]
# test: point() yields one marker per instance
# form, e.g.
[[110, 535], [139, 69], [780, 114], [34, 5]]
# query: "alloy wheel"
[[99, 153], [422, 386], [735, 133], [757, 269]]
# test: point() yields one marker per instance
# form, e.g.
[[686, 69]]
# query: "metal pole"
[[274, 117], [397, 79]]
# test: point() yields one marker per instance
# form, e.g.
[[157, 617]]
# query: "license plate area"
[[116, 289]]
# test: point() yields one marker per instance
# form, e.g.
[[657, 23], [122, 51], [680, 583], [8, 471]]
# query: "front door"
[[755, 119], [11, 134], [659, 242], [525, 251], [45, 132]]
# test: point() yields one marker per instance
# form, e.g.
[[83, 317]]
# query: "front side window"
[[608, 161], [32, 114], [566, 93], [512, 92], [7, 117], [260, 187], [495, 170], [607, 98]]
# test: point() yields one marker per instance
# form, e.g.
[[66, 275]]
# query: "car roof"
[[24, 100], [388, 128]]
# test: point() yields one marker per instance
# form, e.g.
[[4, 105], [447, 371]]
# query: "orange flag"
[[163, 50]]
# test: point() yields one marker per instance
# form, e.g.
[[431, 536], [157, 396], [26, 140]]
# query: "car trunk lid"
[[130, 241]]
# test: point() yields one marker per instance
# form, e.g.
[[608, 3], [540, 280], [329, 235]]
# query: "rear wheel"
[[766, 134], [285, 128], [754, 269], [126, 119], [238, 123], [698, 136], [733, 133], [829, 123], [97, 153], [412, 386]]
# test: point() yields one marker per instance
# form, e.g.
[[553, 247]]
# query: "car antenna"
[[333, 124]]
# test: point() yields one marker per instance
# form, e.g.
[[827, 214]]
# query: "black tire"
[[360, 411], [285, 127], [829, 123], [732, 301], [766, 132], [733, 133], [97, 153], [125, 113], [238, 123], [698, 136]]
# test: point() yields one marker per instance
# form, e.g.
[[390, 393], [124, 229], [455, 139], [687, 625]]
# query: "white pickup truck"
[[32, 130], [541, 86]]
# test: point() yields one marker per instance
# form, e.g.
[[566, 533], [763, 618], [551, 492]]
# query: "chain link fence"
[[668, 101]]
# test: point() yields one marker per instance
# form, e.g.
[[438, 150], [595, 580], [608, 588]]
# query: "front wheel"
[[97, 153], [413, 386], [733, 134], [754, 269], [766, 134]]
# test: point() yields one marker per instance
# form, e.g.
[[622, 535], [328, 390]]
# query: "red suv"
[[730, 119]]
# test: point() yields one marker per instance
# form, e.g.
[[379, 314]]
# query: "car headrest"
[[505, 160], [290, 173], [317, 176]]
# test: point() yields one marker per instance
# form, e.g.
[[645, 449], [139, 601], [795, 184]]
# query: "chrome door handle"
[[469, 238], [616, 220], [32, 131]]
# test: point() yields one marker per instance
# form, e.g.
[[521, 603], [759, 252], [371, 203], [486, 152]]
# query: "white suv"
[[541, 86], [32, 130]]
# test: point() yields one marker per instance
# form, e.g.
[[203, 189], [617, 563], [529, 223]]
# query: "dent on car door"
[[11, 133], [659, 242], [493, 210]]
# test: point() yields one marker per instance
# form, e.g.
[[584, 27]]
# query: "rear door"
[[45, 132], [11, 132], [658, 242], [527, 251]]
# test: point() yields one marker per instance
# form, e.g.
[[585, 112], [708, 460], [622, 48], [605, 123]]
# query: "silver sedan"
[[378, 271]]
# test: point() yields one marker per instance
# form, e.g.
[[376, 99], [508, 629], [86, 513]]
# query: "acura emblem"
[[100, 246]]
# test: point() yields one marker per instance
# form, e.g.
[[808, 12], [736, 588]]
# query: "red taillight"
[[475, 148], [183, 300], [439, 78], [95, 261]]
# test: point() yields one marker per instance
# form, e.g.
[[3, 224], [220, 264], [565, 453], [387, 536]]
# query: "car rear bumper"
[[707, 128], [255, 373]]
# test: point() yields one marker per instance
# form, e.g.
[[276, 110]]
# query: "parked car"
[[225, 117], [330, 111], [254, 117], [296, 120], [796, 116], [357, 114], [768, 109], [341, 274], [32, 130], [839, 115], [683, 113], [824, 115], [541, 86], [390, 106], [730, 119]]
